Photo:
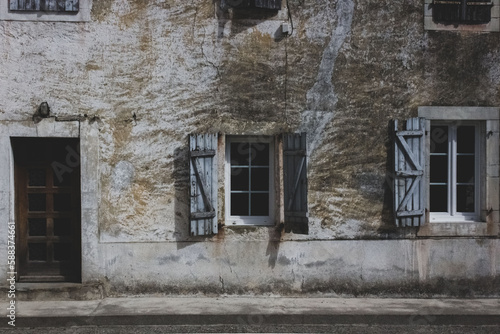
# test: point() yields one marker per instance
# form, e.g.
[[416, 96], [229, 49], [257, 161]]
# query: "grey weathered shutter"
[[45, 5], [409, 164], [203, 183], [295, 183]]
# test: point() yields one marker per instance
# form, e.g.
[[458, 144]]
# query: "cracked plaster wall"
[[155, 71]]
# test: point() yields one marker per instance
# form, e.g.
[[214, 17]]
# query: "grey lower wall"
[[391, 267]]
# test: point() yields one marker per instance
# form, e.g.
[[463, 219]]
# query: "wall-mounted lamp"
[[43, 110]]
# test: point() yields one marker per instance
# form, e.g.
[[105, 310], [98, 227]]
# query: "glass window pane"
[[36, 202], [239, 205], [61, 178], [260, 205], [439, 139], [37, 227], [465, 168], [239, 179], [36, 177], [439, 198], [439, 168], [62, 226], [465, 198], [62, 202], [240, 154], [37, 252], [260, 179], [259, 153], [62, 252], [466, 139]]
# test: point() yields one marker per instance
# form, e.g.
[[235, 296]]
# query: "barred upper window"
[[462, 11], [44, 5]]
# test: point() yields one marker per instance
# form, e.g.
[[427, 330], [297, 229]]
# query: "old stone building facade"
[[248, 147]]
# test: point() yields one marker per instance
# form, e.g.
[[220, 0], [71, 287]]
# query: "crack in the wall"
[[321, 98], [193, 32], [206, 58]]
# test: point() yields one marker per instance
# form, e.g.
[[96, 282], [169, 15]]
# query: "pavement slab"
[[256, 311]]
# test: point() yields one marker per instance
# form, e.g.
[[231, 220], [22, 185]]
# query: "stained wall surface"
[[146, 74]]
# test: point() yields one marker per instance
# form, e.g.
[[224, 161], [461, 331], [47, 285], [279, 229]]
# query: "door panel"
[[47, 181]]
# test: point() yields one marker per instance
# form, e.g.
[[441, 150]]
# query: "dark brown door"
[[47, 182]]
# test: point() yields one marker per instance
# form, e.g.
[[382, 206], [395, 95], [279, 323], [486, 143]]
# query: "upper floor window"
[[44, 5], [462, 11], [257, 4], [46, 10], [470, 15]]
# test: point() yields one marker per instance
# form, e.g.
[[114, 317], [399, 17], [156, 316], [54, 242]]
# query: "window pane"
[[239, 154], [62, 252], [37, 252], [439, 198], [465, 168], [239, 205], [465, 198], [62, 226], [439, 168], [36, 177], [439, 139], [36, 202], [259, 154], [260, 179], [260, 204], [239, 179], [465, 139], [62, 178], [62, 202], [37, 227]]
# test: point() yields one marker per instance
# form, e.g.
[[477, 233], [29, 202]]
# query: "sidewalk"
[[256, 311]]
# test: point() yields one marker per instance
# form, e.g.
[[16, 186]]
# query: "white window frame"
[[487, 222], [249, 220], [452, 214], [83, 14], [492, 26]]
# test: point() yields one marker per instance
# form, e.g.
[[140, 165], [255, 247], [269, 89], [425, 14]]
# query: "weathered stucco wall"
[[152, 72]]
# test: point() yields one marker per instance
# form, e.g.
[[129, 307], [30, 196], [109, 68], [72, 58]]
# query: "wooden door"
[[47, 182]]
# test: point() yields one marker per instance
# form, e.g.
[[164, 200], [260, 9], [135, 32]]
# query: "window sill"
[[457, 229], [249, 224]]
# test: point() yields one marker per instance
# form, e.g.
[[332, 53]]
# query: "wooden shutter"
[[462, 11], [295, 183], [45, 5], [409, 164], [203, 184]]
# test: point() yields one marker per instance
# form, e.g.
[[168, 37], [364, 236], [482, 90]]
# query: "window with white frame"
[[264, 182], [454, 171], [249, 181], [446, 175]]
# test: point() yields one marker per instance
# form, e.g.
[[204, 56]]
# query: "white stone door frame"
[[89, 157]]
